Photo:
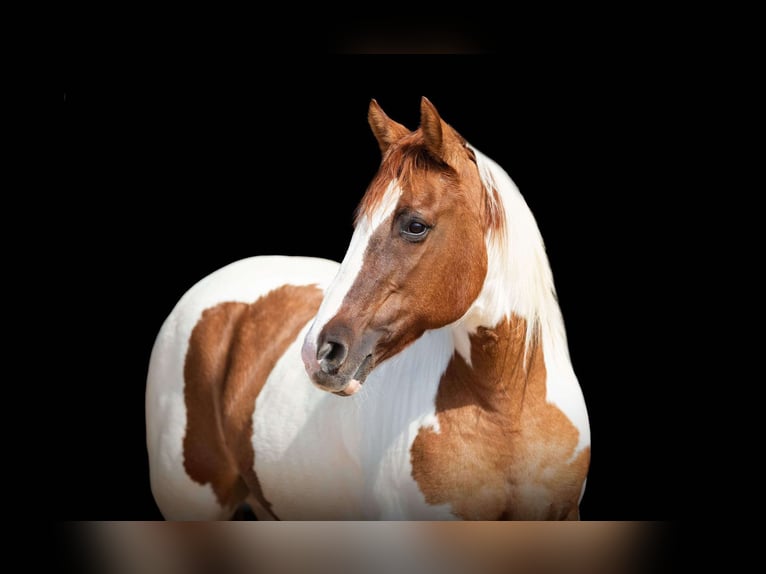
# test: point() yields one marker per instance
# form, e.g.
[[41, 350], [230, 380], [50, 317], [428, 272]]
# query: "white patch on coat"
[[323, 457]]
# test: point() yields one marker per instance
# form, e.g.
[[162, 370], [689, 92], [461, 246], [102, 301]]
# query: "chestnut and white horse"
[[426, 377]]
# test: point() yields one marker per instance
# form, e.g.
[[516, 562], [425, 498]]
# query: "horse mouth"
[[357, 379]]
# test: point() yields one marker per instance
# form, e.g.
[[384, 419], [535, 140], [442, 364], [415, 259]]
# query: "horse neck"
[[503, 369]]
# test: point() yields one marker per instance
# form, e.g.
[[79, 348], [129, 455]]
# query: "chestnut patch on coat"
[[232, 350], [502, 452]]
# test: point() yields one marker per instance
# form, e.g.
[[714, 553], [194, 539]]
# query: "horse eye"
[[414, 230]]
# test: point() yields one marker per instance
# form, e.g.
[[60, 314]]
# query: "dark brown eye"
[[414, 230]]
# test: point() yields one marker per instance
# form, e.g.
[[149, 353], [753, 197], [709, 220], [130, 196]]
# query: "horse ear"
[[440, 138], [386, 130]]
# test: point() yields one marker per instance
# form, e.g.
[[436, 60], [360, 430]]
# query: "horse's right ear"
[[385, 130]]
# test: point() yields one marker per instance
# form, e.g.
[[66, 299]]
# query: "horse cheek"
[[474, 272]]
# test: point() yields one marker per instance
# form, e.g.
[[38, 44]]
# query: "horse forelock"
[[399, 165]]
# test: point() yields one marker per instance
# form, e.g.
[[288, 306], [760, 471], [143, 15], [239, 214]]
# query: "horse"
[[425, 377]]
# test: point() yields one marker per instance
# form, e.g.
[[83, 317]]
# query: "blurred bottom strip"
[[368, 547]]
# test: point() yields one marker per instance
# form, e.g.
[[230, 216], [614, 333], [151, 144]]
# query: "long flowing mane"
[[519, 278]]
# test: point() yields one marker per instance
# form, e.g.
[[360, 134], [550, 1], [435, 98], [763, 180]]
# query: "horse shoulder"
[[502, 450]]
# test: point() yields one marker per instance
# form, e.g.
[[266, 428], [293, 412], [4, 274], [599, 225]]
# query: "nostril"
[[324, 351], [330, 356]]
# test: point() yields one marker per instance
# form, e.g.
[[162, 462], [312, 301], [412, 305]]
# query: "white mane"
[[519, 278]]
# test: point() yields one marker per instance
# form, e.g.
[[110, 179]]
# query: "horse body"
[[426, 377]]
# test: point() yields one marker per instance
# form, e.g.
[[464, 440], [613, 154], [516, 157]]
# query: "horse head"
[[417, 259]]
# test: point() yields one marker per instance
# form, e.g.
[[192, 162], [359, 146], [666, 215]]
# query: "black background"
[[180, 160]]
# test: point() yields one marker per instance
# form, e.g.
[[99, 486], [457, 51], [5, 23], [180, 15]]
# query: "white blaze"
[[353, 260]]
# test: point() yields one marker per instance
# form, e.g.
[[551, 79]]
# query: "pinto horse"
[[426, 377]]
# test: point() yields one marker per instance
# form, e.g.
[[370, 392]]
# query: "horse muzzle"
[[334, 365]]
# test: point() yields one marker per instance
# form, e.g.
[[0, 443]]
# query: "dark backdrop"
[[179, 162]]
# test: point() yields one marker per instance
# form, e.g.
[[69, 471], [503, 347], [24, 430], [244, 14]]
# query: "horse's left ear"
[[385, 130], [440, 138]]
